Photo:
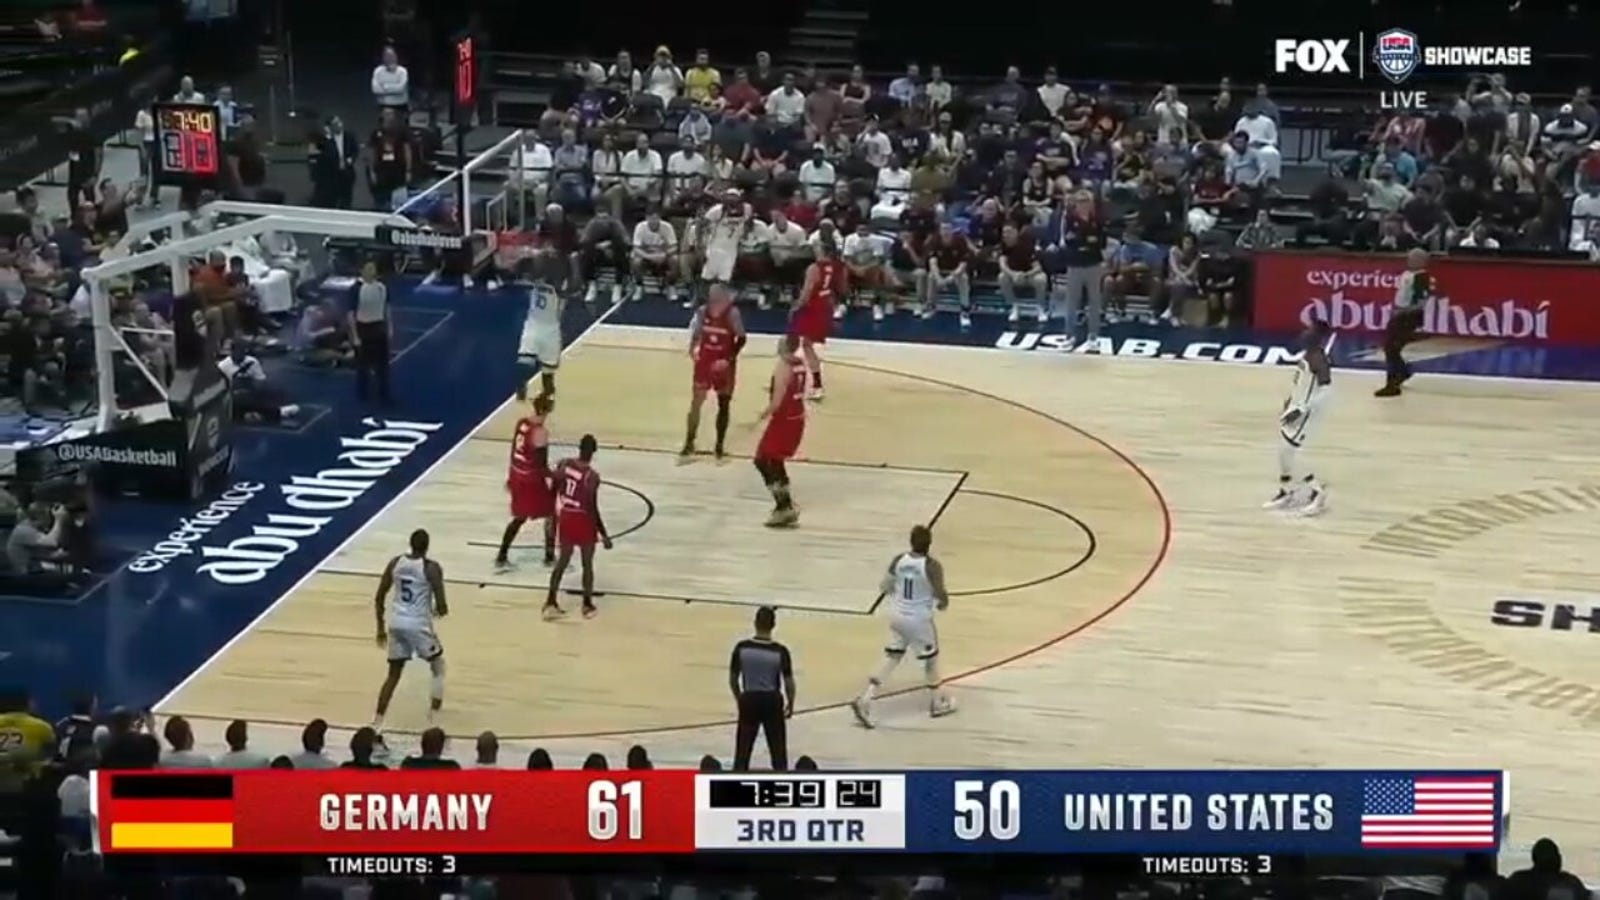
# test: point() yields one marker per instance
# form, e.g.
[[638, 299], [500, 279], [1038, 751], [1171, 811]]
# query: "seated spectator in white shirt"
[[391, 83], [180, 743], [686, 174], [655, 243], [786, 106], [893, 190], [1262, 133], [253, 399], [536, 162], [641, 170], [238, 755], [817, 176], [791, 252]]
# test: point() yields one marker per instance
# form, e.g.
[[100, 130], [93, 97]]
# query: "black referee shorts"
[[761, 711]]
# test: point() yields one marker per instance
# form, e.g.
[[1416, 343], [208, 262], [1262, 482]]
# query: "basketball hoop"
[[512, 247]]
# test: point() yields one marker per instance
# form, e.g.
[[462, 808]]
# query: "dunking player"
[[410, 595], [1411, 295], [715, 339], [528, 480], [812, 321], [578, 524], [785, 418], [914, 586], [540, 350], [1302, 413]]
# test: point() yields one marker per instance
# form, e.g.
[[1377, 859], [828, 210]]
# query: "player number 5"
[[992, 811], [609, 803]]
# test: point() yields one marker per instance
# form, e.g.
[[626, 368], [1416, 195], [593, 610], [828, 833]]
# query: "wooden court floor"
[[1120, 597]]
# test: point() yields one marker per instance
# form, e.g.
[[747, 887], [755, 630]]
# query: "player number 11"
[[609, 804]]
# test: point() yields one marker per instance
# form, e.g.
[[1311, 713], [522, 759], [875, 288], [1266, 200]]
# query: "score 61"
[[991, 811]]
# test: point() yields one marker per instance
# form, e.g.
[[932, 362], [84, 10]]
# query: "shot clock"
[[188, 144], [788, 812]]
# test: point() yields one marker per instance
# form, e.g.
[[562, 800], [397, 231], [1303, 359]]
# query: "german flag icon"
[[170, 812]]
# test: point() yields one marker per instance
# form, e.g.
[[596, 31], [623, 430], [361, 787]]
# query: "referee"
[[371, 329], [1411, 295], [761, 676]]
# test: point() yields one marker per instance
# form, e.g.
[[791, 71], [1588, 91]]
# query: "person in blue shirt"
[[1405, 165], [1136, 267]]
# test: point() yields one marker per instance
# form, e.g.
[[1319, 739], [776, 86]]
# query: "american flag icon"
[[1429, 812]]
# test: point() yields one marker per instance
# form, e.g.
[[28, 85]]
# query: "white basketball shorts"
[[914, 633], [541, 348], [1305, 427], [719, 263], [413, 642]]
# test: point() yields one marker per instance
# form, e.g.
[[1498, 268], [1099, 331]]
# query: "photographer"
[[253, 399]]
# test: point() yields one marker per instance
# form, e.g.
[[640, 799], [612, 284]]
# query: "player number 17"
[[988, 811], [611, 803]]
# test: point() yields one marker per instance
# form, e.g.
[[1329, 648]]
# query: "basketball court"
[[1120, 597]]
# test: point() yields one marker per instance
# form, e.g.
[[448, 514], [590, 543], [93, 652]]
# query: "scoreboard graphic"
[[428, 822]]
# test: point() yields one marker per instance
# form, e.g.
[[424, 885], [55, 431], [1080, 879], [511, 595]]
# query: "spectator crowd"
[[1059, 202]]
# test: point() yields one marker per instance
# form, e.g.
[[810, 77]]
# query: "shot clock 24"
[[188, 143]]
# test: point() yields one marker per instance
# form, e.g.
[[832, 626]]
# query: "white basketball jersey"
[[544, 316], [726, 227], [913, 591], [411, 598], [1304, 391]]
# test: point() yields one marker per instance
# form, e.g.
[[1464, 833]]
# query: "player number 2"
[[609, 804], [992, 811]]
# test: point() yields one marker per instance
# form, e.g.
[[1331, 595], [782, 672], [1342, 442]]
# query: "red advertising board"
[[1544, 302]]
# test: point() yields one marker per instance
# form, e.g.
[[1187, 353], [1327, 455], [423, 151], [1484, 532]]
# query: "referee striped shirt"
[[760, 666]]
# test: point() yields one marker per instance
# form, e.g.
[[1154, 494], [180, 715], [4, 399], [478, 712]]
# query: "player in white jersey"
[[1303, 411], [539, 352], [724, 228], [914, 588], [410, 595]]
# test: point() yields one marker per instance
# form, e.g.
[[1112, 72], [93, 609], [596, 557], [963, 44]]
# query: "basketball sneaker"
[[551, 612], [942, 705], [1315, 504], [1283, 499], [862, 709], [815, 394], [784, 518], [966, 319], [502, 566]]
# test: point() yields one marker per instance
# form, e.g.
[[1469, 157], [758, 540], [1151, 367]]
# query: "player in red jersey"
[[578, 523], [813, 317], [528, 480], [715, 339], [785, 417]]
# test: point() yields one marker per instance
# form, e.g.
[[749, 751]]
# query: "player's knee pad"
[[436, 666], [724, 404]]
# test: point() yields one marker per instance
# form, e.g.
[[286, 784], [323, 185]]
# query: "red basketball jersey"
[[717, 335], [793, 403], [577, 484], [526, 440], [830, 275]]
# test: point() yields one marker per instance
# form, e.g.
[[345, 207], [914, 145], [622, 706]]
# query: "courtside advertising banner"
[[1514, 300]]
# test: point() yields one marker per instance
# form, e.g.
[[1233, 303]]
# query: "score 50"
[[987, 811]]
